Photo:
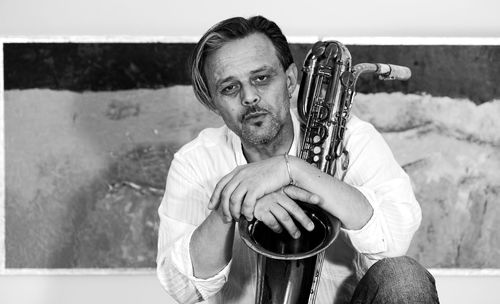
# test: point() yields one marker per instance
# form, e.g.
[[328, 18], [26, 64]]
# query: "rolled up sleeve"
[[396, 213], [182, 209]]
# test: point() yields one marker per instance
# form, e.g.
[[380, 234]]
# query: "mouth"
[[253, 115]]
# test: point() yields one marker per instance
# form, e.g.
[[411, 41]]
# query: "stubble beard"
[[263, 134]]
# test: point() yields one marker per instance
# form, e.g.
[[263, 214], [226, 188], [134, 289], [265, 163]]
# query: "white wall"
[[144, 288], [190, 17], [423, 18]]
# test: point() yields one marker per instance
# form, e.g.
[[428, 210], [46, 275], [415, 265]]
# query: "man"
[[242, 69]]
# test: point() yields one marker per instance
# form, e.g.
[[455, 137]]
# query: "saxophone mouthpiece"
[[392, 72]]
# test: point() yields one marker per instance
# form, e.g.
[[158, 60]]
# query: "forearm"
[[338, 198], [211, 245], [383, 213]]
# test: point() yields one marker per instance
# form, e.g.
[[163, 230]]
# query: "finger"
[[248, 206], [215, 198], [302, 195], [225, 197], [270, 221], [262, 207], [297, 213], [285, 220], [235, 201]]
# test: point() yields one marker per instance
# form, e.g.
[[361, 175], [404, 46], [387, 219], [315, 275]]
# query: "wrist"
[[304, 174], [287, 158]]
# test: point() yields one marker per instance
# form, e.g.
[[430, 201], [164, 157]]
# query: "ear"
[[291, 78]]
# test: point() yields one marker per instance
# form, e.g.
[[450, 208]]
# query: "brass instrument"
[[288, 270]]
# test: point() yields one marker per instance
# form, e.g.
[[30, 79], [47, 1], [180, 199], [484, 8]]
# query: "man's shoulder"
[[208, 139], [359, 133], [356, 125]]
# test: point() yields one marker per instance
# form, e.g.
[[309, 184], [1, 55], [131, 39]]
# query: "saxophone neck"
[[325, 61]]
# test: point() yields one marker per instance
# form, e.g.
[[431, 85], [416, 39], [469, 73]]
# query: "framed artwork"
[[90, 127]]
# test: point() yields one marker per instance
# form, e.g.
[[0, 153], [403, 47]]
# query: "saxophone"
[[289, 270]]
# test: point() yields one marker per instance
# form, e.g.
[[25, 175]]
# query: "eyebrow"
[[221, 81], [261, 69], [264, 68]]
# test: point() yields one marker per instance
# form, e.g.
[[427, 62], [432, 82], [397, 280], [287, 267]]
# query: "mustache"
[[253, 110]]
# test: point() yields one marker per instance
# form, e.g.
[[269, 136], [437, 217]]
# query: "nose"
[[249, 96]]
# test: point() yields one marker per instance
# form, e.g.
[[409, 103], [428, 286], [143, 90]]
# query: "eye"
[[261, 78], [229, 89]]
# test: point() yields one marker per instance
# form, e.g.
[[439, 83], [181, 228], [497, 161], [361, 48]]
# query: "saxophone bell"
[[288, 269]]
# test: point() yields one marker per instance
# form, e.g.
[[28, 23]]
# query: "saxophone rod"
[[385, 71]]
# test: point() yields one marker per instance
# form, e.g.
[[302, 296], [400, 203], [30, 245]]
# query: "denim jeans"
[[396, 280]]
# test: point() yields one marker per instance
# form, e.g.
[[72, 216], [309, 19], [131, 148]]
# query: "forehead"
[[242, 56]]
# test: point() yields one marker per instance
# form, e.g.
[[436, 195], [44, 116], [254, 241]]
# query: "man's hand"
[[238, 191], [277, 209]]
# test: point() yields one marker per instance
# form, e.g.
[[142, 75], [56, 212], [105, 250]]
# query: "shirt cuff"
[[181, 259], [370, 238]]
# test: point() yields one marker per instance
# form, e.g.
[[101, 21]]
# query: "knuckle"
[[271, 223], [248, 203], [295, 210], [224, 195], [219, 184], [245, 209], [291, 190], [257, 209], [274, 226], [301, 215], [248, 212], [277, 228], [260, 212], [266, 208], [234, 200], [274, 196], [286, 219]]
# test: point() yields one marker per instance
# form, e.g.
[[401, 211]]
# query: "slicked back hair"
[[229, 30]]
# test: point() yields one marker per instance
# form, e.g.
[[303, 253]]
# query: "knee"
[[401, 271], [401, 278], [390, 268]]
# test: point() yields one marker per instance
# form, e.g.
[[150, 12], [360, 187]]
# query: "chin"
[[260, 137]]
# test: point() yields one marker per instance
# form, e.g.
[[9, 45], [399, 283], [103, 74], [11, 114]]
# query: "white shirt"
[[200, 164]]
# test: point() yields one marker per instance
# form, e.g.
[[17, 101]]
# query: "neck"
[[278, 146]]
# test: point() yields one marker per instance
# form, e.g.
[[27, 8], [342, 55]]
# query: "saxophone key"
[[318, 48], [332, 50]]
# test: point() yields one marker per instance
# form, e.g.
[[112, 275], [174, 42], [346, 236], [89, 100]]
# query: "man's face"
[[250, 88]]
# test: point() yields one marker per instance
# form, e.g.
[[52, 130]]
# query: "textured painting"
[[91, 128]]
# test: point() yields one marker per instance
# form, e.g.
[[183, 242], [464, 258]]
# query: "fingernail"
[[296, 235], [315, 199], [310, 226], [228, 218]]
